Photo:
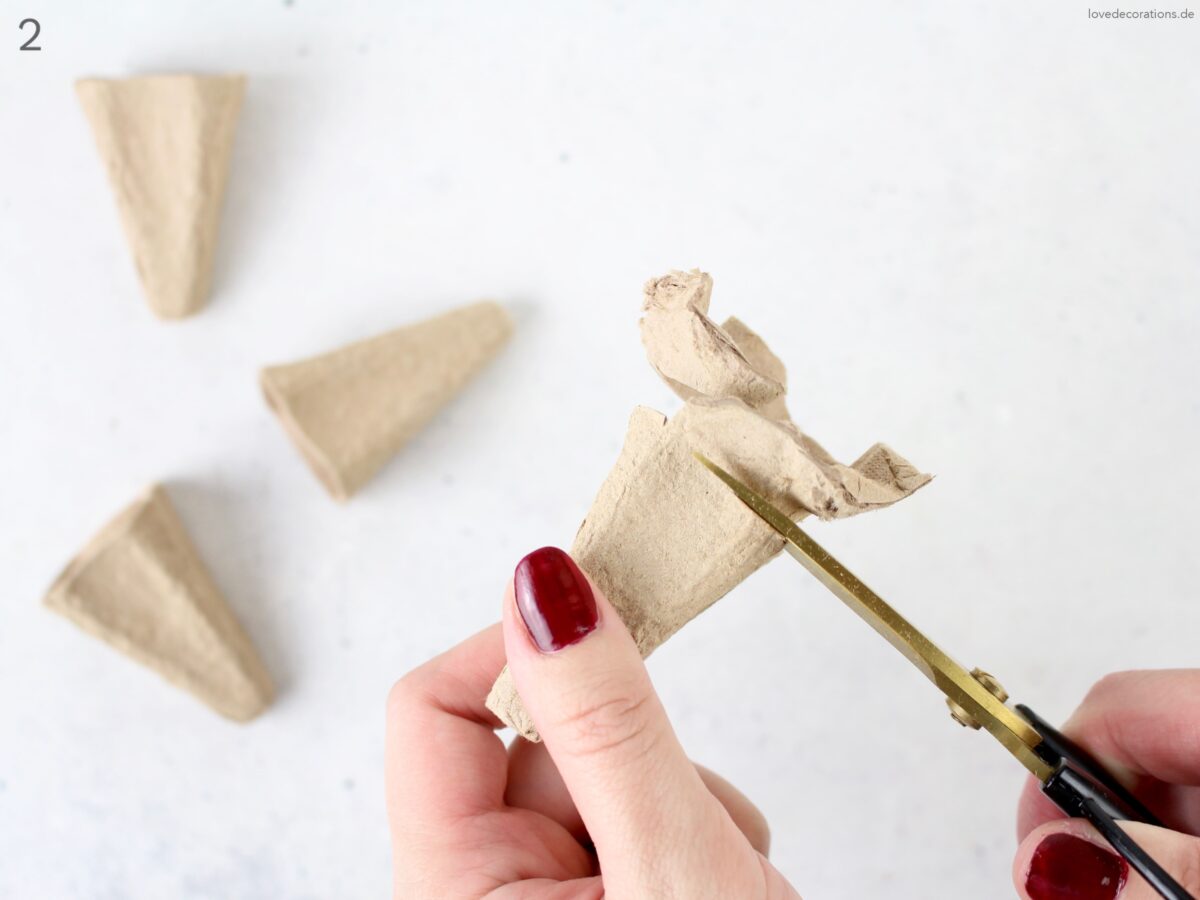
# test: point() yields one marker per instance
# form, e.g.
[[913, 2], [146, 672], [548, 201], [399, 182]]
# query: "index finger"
[[1144, 727], [1146, 723], [443, 757]]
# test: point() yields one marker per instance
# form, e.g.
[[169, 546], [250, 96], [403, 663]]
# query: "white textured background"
[[971, 229]]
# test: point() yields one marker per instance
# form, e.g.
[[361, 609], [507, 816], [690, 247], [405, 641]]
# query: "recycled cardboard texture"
[[664, 539], [166, 141], [140, 586], [349, 411], [695, 357]]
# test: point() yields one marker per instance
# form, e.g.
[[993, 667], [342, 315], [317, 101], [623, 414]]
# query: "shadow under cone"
[[166, 141], [140, 586], [350, 410]]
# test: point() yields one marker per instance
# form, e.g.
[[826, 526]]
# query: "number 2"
[[37, 29]]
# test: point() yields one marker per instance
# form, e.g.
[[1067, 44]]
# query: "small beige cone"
[[166, 141], [664, 540], [349, 411], [140, 586]]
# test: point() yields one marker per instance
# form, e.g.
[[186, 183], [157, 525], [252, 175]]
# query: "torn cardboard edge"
[[664, 540], [694, 356]]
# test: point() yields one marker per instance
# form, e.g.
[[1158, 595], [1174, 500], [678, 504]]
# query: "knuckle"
[[612, 717], [398, 697], [1090, 714], [1111, 684], [406, 693], [1106, 692]]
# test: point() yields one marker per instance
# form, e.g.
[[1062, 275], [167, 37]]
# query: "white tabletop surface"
[[971, 230]]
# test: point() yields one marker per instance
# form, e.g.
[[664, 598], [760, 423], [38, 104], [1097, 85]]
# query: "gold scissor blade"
[[961, 688]]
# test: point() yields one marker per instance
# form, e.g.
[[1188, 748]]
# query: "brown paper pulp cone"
[[140, 586], [165, 141], [349, 411], [664, 539]]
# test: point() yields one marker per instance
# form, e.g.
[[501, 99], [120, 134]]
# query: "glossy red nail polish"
[[554, 599], [1066, 867]]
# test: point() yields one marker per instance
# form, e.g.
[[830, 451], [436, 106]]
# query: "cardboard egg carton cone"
[[664, 539], [166, 141], [140, 586], [350, 410]]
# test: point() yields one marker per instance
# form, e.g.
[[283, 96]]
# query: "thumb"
[[1068, 859], [583, 682]]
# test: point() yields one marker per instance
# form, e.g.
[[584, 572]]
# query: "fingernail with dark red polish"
[[1066, 867], [554, 599]]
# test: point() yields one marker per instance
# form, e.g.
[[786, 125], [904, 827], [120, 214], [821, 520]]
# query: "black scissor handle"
[[1056, 748], [1082, 788]]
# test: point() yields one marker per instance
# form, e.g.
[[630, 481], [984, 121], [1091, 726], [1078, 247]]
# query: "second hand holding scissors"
[[1076, 782]]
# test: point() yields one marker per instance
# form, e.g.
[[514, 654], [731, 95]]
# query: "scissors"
[[1069, 776]]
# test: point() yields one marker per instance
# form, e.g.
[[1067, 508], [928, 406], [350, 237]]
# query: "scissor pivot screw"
[[964, 718]]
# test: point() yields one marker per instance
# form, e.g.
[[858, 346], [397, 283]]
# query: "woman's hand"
[[607, 806], [1144, 727]]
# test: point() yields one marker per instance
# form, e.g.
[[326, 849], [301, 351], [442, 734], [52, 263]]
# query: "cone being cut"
[[166, 141], [349, 411], [140, 586], [664, 540]]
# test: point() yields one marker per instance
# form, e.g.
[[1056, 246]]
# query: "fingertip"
[[1067, 858], [551, 605]]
